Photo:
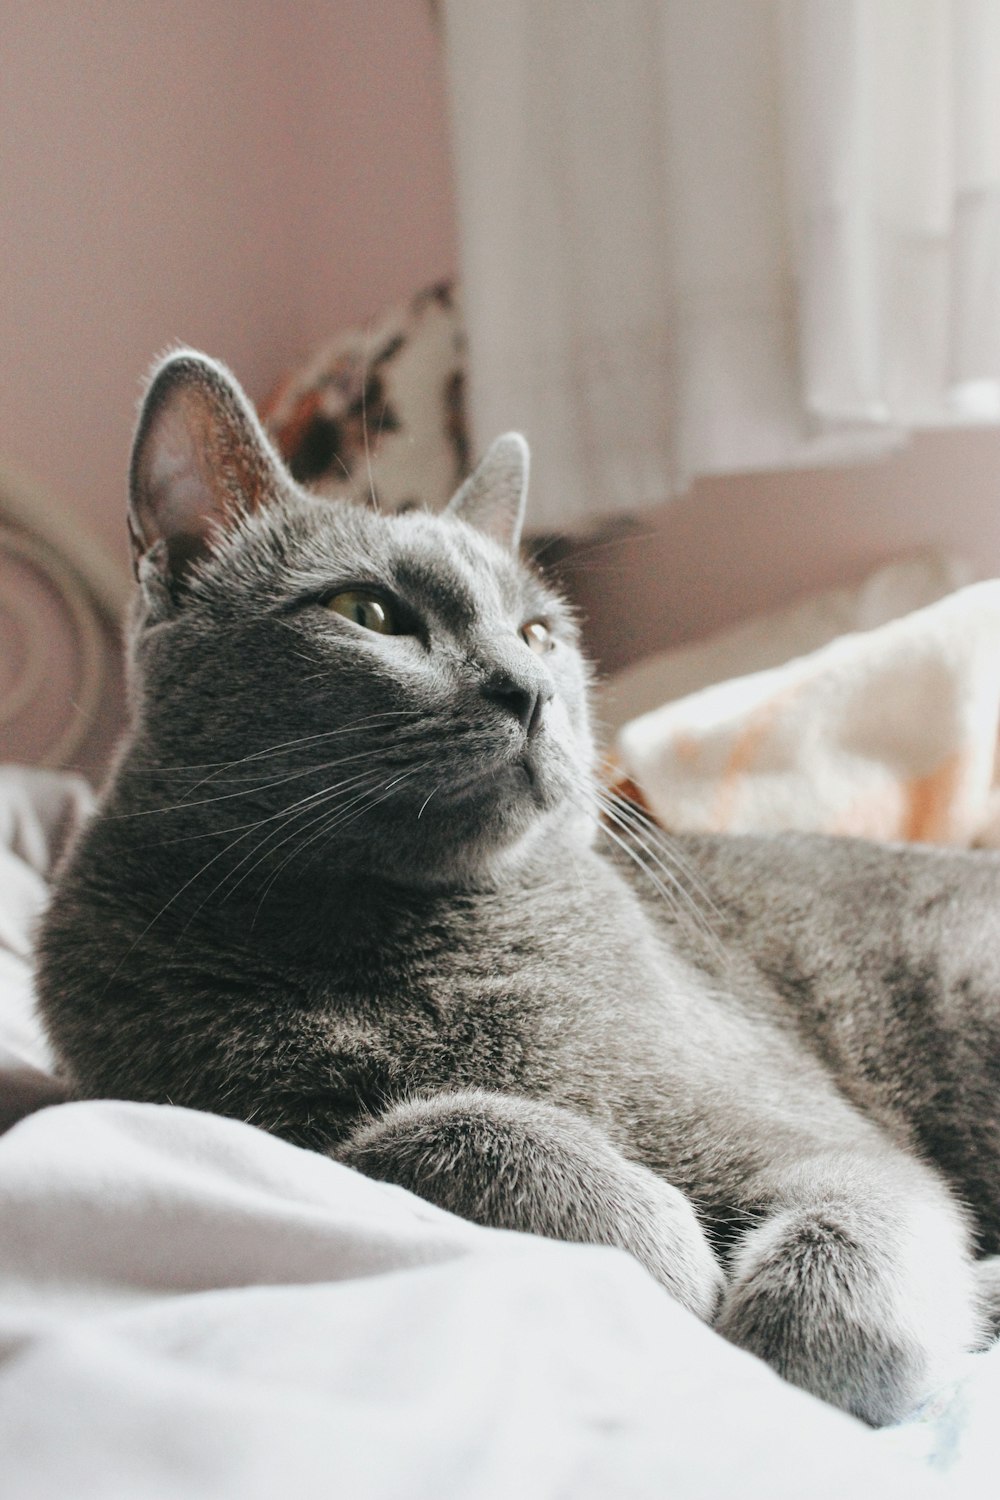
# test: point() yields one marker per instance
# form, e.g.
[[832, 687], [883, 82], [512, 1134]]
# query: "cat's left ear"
[[200, 460], [494, 496]]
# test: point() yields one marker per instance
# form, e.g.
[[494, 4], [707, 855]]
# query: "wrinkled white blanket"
[[193, 1310]]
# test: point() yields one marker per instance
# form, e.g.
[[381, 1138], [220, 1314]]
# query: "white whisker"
[[427, 799]]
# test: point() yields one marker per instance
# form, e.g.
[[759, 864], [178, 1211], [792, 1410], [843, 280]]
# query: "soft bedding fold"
[[193, 1309]]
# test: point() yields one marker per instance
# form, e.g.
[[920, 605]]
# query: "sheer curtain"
[[704, 236]]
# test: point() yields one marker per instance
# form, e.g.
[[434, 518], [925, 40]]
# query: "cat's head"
[[395, 693]]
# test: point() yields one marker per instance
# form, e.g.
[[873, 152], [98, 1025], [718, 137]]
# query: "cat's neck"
[[236, 874]]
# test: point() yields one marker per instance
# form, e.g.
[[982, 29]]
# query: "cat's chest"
[[521, 993]]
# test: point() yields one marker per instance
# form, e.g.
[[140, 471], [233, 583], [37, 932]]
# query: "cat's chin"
[[494, 838], [519, 785], [489, 816]]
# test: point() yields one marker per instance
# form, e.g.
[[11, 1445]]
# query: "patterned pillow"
[[378, 416]]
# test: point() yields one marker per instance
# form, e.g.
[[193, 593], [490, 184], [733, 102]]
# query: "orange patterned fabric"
[[377, 415], [889, 733]]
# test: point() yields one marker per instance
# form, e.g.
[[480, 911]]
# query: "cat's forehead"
[[431, 559], [456, 566]]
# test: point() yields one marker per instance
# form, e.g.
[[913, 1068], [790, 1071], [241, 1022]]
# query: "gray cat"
[[351, 881]]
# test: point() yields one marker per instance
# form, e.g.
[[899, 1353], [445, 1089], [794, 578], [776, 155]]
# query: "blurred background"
[[733, 268]]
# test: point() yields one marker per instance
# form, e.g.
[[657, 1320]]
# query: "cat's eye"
[[537, 635], [362, 607]]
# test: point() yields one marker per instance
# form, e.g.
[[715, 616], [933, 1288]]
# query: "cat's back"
[[854, 919], [886, 959]]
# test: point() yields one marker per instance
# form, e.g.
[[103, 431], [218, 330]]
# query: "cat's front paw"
[[838, 1316], [877, 1374], [658, 1225], [521, 1164]]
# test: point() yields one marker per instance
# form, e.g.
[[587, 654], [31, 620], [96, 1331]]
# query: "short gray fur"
[[354, 888]]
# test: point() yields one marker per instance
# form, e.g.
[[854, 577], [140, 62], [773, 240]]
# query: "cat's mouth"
[[524, 769], [513, 779]]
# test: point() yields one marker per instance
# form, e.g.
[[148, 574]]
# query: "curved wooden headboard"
[[62, 599]]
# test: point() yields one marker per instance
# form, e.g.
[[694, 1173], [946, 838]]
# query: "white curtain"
[[705, 236]]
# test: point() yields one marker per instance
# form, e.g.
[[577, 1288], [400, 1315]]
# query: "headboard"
[[61, 603]]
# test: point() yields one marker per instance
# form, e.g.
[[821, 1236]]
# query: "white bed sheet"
[[190, 1308]]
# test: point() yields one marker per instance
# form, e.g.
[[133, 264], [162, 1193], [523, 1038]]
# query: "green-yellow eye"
[[364, 608], [536, 635]]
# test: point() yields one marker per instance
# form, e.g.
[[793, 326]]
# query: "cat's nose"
[[525, 700]]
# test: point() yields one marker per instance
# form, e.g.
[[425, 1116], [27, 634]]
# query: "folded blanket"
[[888, 733]]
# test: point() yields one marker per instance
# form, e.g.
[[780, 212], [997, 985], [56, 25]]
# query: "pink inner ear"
[[175, 495], [173, 498], [200, 459]]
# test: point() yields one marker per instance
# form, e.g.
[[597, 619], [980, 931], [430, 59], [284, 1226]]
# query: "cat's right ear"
[[200, 460]]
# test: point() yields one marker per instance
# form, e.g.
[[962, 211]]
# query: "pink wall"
[[735, 546], [244, 177], [249, 178]]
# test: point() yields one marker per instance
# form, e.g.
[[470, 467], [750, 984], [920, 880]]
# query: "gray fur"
[[354, 888]]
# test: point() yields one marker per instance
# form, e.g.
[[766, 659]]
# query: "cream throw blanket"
[[888, 732]]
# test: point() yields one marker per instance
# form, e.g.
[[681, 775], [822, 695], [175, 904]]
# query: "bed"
[[191, 1309]]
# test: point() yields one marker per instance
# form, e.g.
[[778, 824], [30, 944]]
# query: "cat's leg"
[[858, 1284], [988, 1291], [518, 1164]]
